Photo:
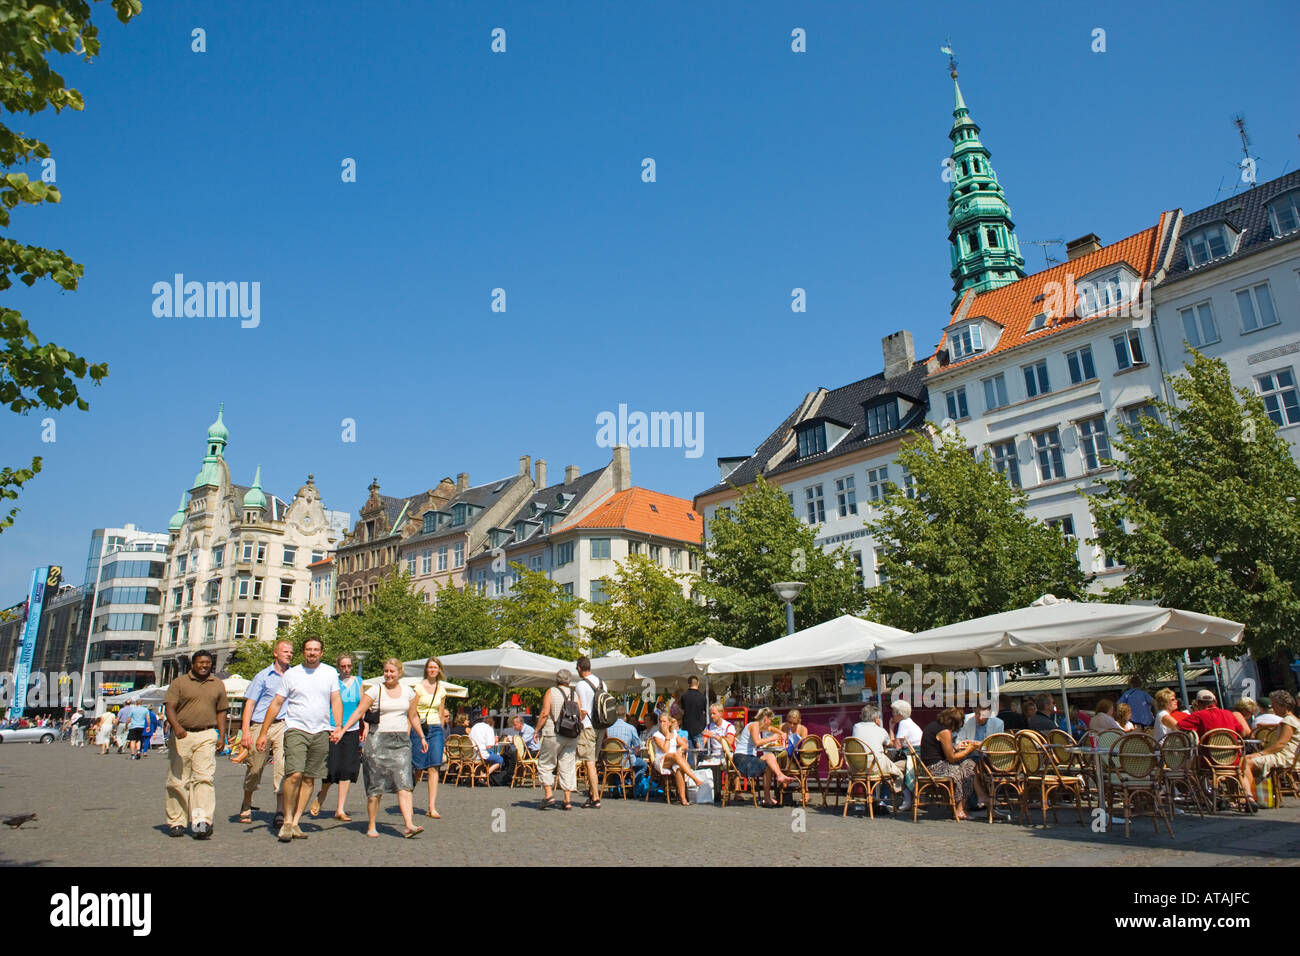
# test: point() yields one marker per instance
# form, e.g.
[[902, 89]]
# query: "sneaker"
[[297, 833], [203, 831], [286, 834], [176, 831]]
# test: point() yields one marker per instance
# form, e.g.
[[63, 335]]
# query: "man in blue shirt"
[[620, 729], [1142, 706], [135, 717], [257, 698], [521, 729]]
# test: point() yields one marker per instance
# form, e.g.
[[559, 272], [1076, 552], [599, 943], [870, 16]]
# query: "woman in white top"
[[104, 736], [387, 756], [903, 728], [752, 761], [1167, 701], [669, 758]]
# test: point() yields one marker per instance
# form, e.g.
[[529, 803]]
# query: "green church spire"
[[209, 474], [985, 253], [255, 498], [178, 519]]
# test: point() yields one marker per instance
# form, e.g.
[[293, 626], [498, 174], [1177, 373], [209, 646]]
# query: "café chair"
[[1136, 759], [863, 775], [806, 761], [926, 782], [835, 768], [732, 779], [1000, 770], [1221, 750], [1178, 769], [525, 764], [617, 763], [452, 767], [653, 774], [1044, 774]]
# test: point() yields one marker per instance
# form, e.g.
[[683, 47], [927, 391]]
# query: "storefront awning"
[[1049, 683]]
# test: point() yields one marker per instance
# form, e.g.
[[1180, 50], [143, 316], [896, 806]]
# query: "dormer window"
[[967, 342], [458, 514], [429, 523], [1284, 213], [522, 530], [250, 517], [882, 417], [812, 441], [1212, 242], [1038, 322], [1106, 290]]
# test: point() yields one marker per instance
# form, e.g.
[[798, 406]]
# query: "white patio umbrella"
[[235, 685], [693, 660], [843, 640], [507, 665]]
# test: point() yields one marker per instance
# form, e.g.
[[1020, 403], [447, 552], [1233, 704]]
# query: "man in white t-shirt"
[[587, 685], [870, 731], [484, 739], [309, 695]]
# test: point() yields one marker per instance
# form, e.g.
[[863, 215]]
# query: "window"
[[564, 553], [846, 497], [189, 595], [286, 592], [1205, 245], [535, 562], [568, 591], [656, 554], [1051, 464], [1036, 379], [1094, 443], [877, 478], [1037, 322], [882, 418], [442, 558], [1080, 363], [426, 561], [857, 562], [992, 236], [218, 555], [283, 624], [599, 548], [126, 622], [1075, 664], [178, 597], [212, 592], [693, 560], [1064, 524], [257, 588], [1284, 214], [172, 630], [181, 560], [1004, 458], [458, 514], [634, 547], [498, 584], [458, 555], [1256, 306], [261, 552], [1134, 414], [1128, 349], [909, 484], [995, 392], [1198, 325], [480, 581], [675, 558], [317, 556], [1280, 396], [880, 558], [253, 621], [598, 595], [967, 342], [1102, 292], [957, 403], [816, 504], [428, 523], [410, 565], [290, 556], [812, 441], [247, 553]]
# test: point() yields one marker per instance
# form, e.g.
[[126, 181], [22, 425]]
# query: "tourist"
[[137, 718], [196, 713], [344, 760], [122, 733], [391, 709], [104, 735], [484, 738], [750, 759], [622, 731], [1043, 721], [588, 687], [1265, 718], [1029, 709], [529, 736], [695, 716], [1167, 714], [1123, 715], [943, 759], [980, 724], [794, 731], [1208, 715], [257, 701], [869, 730], [669, 759], [308, 694], [1246, 709], [1012, 719], [557, 752], [431, 701], [1104, 718], [717, 730], [903, 729], [78, 737], [1281, 752], [1141, 704]]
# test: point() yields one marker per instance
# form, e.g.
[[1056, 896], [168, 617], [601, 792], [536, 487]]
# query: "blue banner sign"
[[22, 673]]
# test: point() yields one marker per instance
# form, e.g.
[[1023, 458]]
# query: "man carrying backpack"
[[595, 701], [559, 724]]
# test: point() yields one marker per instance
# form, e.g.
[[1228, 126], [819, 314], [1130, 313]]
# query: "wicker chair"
[[1042, 773], [1221, 750], [654, 774], [1136, 760], [617, 763], [926, 782], [1266, 734], [806, 761], [1059, 743], [1000, 770], [732, 779], [864, 775], [451, 759], [525, 764], [835, 767], [1286, 780], [472, 763], [1178, 769]]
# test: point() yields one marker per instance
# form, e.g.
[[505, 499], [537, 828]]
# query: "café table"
[[1096, 753]]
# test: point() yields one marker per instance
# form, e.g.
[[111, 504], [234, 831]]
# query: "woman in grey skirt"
[[386, 760]]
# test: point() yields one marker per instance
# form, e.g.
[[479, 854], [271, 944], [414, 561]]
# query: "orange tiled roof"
[[646, 511], [1013, 306]]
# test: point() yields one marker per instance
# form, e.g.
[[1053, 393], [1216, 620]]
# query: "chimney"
[[570, 474], [1082, 246], [541, 473], [900, 353], [622, 465], [462, 481], [525, 464]]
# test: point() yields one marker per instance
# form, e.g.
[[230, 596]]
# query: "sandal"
[[314, 809], [279, 820], [410, 833], [568, 806], [548, 804], [342, 818], [591, 804], [245, 816], [434, 814]]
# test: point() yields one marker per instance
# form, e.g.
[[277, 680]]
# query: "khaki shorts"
[[257, 761], [307, 754], [587, 743]]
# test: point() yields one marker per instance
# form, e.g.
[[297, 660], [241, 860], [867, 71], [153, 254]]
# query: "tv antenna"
[[1045, 244], [1248, 164]]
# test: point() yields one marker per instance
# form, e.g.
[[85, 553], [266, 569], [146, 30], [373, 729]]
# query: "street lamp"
[[361, 661], [789, 591]]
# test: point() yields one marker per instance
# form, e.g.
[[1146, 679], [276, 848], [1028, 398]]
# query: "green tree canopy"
[[646, 611], [538, 616], [756, 543], [33, 375], [962, 547], [1202, 510]]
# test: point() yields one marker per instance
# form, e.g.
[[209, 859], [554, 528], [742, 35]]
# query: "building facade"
[[125, 573]]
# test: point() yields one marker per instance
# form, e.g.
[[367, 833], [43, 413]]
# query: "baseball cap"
[[1205, 696]]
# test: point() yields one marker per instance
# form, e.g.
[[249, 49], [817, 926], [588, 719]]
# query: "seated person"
[[1167, 714], [484, 739], [794, 731], [521, 728], [1208, 715], [750, 759], [944, 759], [1123, 717], [903, 729], [979, 725], [1245, 709], [1012, 719], [670, 755], [717, 729], [1104, 718], [1042, 721], [624, 732], [1281, 752], [870, 731]]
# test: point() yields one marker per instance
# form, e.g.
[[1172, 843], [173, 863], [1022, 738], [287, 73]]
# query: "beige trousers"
[[191, 765], [561, 752], [257, 761]]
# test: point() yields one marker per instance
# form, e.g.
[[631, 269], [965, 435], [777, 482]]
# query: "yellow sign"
[[54, 577]]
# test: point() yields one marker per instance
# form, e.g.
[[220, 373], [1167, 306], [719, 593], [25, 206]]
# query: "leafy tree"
[[538, 616], [33, 375], [756, 543], [1203, 511], [962, 547], [463, 621], [646, 611]]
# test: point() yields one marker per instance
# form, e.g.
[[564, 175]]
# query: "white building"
[[124, 571]]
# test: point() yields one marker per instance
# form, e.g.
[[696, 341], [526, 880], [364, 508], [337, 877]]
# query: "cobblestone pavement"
[[107, 811]]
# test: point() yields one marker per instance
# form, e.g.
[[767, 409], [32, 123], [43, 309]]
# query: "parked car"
[[29, 735]]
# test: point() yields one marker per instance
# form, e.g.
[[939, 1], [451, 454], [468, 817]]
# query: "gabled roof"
[[1013, 306], [845, 404], [549, 498], [1245, 212], [482, 496], [643, 511]]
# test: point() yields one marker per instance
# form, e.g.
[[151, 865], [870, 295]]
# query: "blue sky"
[[522, 171]]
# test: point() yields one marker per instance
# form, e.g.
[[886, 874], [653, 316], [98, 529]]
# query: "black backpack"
[[570, 722], [604, 708]]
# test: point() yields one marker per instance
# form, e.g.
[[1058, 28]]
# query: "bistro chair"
[[835, 767], [1000, 770], [1137, 761], [1286, 780], [525, 764], [473, 763], [654, 774], [806, 761], [1266, 734], [1221, 750], [864, 775], [451, 759], [1178, 769], [733, 779], [616, 762], [1042, 773], [1059, 743], [926, 782]]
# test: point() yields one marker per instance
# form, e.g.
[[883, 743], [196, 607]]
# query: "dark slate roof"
[[548, 497], [1246, 212], [275, 507], [843, 404], [484, 496]]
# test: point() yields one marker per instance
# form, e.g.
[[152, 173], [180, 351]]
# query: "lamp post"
[[361, 662], [789, 591]]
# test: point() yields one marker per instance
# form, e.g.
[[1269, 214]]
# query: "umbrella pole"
[[1065, 700], [504, 691], [880, 693]]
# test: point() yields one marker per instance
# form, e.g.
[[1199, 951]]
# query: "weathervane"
[[952, 64]]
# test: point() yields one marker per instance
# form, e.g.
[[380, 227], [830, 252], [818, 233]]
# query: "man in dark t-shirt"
[[1012, 719], [695, 715]]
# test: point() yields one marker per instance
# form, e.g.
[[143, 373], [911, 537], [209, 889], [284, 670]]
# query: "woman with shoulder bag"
[[431, 695], [557, 751], [390, 710]]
